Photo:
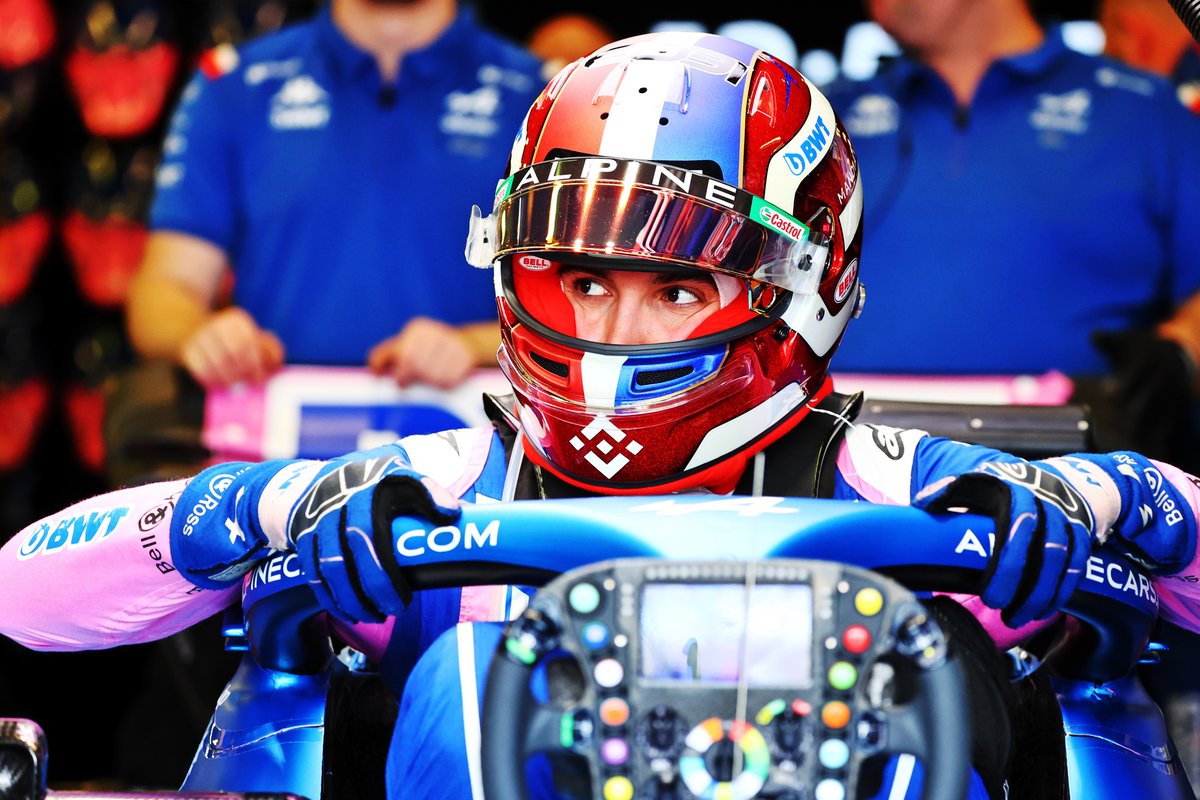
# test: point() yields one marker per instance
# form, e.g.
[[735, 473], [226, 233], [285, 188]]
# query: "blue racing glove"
[[1044, 535], [216, 537], [342, 531]]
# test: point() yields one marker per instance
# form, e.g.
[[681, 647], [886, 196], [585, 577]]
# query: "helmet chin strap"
[[719, 478]]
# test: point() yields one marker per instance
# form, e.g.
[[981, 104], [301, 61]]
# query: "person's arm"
[[433, 352], [170, 314], [101, 574], [173, 292]]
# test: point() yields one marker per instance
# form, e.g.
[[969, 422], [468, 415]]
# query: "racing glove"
[[1153, 523], [1044, 534], [216, 535], [341, 528]]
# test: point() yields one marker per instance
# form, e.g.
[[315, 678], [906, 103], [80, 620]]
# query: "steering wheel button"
[[695, 775], [746, 785], [829, 789], [608, 673], [802, 707], [758, 755], [770, 711], [584, 598], [595, 635], [618, 787], [868, 601], [834, 754], [856, 639], [842, 675], [614, 712], [836, 714], [614, 752]]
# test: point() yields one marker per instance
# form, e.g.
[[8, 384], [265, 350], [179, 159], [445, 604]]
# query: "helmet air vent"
[[653, 377], [553, 367]]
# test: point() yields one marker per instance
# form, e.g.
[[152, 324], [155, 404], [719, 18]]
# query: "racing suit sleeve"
[[100, 574], [1143, 508]]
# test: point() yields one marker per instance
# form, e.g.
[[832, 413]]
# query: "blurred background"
[[86, 89]]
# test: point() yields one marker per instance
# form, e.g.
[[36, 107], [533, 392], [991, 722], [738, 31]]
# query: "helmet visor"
[[649, 211]]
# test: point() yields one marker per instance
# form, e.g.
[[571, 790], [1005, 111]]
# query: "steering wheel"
[[733, 679]]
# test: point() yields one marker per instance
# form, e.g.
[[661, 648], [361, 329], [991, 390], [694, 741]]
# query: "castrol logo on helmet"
[[846, 282], [777, 220], [533, 263]]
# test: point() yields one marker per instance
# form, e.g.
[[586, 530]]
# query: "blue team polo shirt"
[[343, 204], [1063, 200]]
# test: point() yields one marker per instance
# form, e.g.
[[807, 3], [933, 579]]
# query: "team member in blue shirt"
[[1022, 194], [327, 170]]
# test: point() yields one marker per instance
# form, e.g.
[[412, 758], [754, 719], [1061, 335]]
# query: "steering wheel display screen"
[[726, 633]]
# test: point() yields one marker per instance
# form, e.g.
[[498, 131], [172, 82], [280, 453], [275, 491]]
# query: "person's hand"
[[1151, 389], [425, 351], [342, 530], [230, 347], [1044, 535]]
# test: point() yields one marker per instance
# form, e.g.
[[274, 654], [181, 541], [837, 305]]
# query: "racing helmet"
[[688, 155]]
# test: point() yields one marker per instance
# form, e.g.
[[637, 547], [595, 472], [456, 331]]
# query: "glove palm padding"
[[1043, 537], [342, 531]]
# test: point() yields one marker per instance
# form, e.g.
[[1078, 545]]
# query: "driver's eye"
[[587, 286], [681, 296]]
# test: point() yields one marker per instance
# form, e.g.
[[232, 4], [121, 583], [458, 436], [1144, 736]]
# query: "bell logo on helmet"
[[533, 263], [846, 282], [601, 424]]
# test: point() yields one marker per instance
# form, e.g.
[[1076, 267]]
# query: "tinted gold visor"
[[649, 212]]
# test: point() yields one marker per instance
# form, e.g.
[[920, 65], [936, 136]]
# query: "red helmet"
[[689, 154]]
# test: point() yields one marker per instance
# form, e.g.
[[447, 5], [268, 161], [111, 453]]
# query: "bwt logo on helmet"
[[811, 148], [76, 530], [447, 538]]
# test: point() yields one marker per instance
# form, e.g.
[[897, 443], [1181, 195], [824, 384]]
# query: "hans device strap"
[[801, 462]]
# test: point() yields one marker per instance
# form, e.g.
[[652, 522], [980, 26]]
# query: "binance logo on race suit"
[[605, 440], [76, 530], [300, 104]]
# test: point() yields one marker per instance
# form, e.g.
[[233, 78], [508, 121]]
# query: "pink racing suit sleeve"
[[99, 574], [1179, 593]]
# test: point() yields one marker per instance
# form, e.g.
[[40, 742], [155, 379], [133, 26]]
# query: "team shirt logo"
[[300, 103]]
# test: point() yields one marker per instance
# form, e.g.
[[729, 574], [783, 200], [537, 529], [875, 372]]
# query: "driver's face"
[[616, 306]]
